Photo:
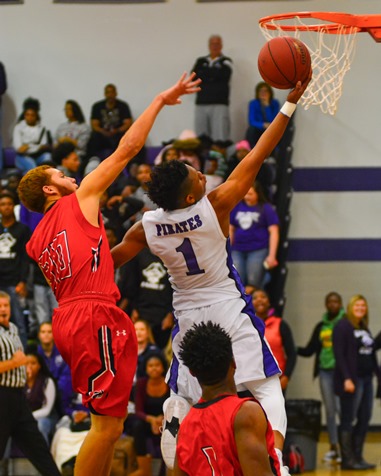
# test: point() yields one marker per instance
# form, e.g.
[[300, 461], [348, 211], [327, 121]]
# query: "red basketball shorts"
[[98, 342]]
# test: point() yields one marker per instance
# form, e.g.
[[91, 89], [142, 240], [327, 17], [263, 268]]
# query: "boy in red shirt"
[[222, 434]]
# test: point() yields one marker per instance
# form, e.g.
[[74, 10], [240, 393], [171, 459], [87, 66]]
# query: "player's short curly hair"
[[206, 350], [30, 188], [167, 184]]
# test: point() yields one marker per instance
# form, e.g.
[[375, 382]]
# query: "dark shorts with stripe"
[[98, 342]]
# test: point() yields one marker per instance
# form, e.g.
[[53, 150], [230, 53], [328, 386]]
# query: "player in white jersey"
[[189, 233]]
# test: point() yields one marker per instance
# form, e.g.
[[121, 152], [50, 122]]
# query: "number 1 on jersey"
[[190, 258]]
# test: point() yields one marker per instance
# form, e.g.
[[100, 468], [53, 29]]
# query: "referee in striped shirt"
[[16, 419]]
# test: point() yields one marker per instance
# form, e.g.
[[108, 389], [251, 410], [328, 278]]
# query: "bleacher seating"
[[9, 157]]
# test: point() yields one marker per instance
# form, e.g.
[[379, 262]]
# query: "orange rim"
[[351, 22]]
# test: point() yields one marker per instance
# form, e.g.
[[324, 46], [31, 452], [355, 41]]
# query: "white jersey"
[[206, 287], [195, 251]]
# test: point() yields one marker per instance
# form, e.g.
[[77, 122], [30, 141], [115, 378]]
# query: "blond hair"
[[30, 188], [148, 327], [350, 316]]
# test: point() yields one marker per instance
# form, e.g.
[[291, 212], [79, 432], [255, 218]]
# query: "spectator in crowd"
[[223, 148], [127, 207], [262, 111], [56, 365], [71, 431], [14, 261], [16, 417], [222, 432], [166, 154], [266, 175], [116, 211], [356, 364], [236, 153], [212, 117], [67, 159], [146, 349], [279, 335], [151, 392], [127, 178], [75, 130], [170, 153], [41, 394], [13, 177], [29, 103], [143, 175], [212, 170], [146, 346], [110, 119], [321, 345], [189, 148], [31, 140], [145, 284], [254, 236]]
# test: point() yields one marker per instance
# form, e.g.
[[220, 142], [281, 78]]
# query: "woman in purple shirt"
[[254, 236]]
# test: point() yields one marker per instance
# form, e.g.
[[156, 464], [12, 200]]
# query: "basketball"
[[283, 61]]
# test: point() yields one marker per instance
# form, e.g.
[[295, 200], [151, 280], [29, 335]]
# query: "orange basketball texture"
[[283, 61]]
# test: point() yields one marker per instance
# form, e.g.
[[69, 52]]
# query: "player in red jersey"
[[93, 335], [222, 434]]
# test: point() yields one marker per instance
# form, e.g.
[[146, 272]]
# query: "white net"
[[331, 57]]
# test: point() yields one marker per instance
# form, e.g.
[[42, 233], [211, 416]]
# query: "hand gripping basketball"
[[283, 61]]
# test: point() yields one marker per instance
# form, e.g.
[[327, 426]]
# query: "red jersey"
[[73, 254], [95, 338], [206, 444]]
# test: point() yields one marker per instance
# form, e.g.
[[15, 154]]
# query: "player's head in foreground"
[[206, 350]]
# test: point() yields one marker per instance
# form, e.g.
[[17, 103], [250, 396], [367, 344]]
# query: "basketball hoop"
[[331, 45]]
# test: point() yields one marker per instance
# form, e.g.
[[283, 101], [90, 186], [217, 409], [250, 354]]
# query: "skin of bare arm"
[[250, 426], [94, 184], [273, 246], [133, 242]]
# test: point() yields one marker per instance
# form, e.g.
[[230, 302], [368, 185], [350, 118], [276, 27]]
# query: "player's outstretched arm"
[[228, 194], [133, 140], [250, 426], [133, 242]]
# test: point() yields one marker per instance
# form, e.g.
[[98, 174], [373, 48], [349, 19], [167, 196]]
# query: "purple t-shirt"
[[251, 226]]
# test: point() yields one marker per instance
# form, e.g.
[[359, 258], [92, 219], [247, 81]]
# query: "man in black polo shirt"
[[212, 116], [16, 418], [110, 119]]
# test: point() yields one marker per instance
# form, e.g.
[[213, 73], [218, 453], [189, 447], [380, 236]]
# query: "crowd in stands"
[[146, 295]]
